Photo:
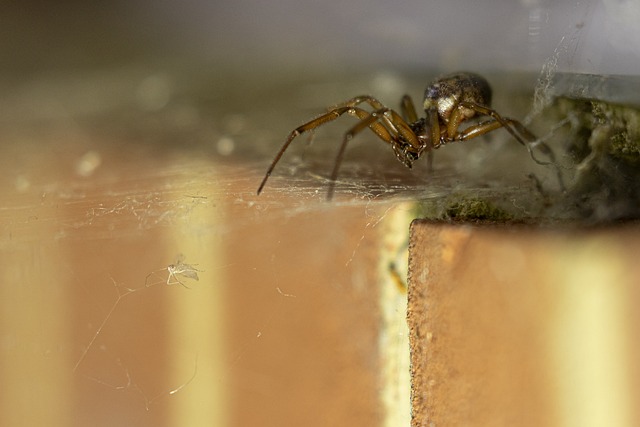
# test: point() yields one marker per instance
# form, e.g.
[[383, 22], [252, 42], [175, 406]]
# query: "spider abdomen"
[[447, 92]]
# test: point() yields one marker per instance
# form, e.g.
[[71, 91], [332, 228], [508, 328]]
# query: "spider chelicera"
[[448, 101]]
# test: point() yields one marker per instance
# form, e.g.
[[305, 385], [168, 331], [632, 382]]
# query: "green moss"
[[475, 210], [462, 209], [603, 162], [624, 148], [622, 125]]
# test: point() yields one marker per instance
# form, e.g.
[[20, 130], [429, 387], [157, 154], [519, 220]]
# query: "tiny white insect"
[[186, 270], [180, 268]]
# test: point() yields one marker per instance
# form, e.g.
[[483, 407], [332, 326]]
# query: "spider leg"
[[308, 126], [498, 122], [408, 109], [389, 116], [509, 124], [396, 130], [402, 128], [384, 122], [410, 115], [479, 129], [357, 100], [367, 120], [409, 138]]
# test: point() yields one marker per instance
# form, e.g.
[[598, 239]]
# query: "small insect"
[[180, 268], [448, 101], [186, 270]]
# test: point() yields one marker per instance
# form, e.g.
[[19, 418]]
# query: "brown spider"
[[448, 101]]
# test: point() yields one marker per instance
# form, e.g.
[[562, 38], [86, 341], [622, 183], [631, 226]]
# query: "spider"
[[448, 101]]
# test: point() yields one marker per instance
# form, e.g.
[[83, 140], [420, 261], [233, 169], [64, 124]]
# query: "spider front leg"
[[397, 124], [368, 120], [389, 127], [310, 125]]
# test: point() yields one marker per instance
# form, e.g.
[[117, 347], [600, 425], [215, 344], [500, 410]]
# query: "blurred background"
[[133, 136], [600, 35]]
